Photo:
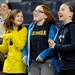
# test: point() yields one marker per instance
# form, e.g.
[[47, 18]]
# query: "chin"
[[35, 20], [60, 19], [19, 24]]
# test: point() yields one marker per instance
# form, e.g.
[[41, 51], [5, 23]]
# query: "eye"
[[62, 9]]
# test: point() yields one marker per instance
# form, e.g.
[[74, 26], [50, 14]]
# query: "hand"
[[39, 59], [24, 59], [51, 43], [61, 37]]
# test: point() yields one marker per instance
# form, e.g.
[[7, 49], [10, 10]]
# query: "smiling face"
[[18, 20], [65, 13], [38, 14]]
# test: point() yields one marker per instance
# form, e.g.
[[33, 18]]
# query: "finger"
[[49, 41]]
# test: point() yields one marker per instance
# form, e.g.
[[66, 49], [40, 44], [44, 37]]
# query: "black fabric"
[[14, 73], [39, 39], [11, 43], [67, 48], [1, 40], [67, 72]]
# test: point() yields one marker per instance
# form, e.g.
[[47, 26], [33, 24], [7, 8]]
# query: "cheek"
[[35, 17], [22, 19], [64, 16], [16, 21]]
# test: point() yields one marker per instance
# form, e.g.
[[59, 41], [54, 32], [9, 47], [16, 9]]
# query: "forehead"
[[39, 8], [19, 13], [64, 6], [4, 5]]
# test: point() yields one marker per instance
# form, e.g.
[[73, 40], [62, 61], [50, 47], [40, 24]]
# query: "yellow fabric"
[[13, 62]]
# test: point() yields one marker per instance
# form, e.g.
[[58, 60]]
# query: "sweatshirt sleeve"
[[68, 47], [52, 35]]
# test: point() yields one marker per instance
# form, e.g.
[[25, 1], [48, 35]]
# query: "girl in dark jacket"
[[67, 47]]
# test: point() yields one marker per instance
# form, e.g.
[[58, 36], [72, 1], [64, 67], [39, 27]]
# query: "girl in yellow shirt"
[[14, 40]]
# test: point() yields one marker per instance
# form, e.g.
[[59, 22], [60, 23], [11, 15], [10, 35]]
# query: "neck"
[[67, 21], [15, 27], [5, 16]]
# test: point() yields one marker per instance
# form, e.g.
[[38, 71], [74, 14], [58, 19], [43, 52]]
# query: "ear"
[[71, 14]]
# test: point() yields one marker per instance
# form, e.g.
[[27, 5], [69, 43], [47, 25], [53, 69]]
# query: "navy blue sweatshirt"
[[67, 48]]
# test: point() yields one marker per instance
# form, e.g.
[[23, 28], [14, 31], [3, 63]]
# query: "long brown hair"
[[50, 17], [8, 24]]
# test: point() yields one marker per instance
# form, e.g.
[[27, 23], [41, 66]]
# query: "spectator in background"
[[4, 13], [5, 10], [67, 47], [14, 39], [39, 31]]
